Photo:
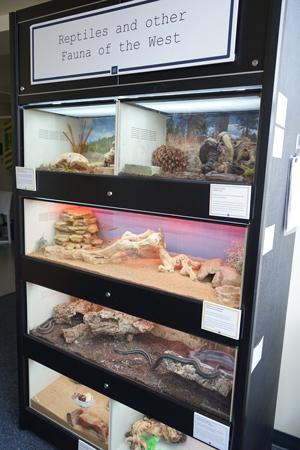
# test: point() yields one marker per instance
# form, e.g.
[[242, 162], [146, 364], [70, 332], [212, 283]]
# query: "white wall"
[[287, 417]]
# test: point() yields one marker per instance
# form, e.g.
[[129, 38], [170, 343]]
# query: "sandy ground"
[[145, 273]]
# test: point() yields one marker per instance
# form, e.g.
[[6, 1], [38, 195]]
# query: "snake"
[[195, 362], [46, 327]]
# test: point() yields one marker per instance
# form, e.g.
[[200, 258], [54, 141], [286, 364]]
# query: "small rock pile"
[[77, 229]]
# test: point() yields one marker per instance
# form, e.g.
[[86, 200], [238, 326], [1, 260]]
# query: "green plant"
[[151, 442], [249, 173]]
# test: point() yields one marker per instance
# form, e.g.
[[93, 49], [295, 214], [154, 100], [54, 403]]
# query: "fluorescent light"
[[84, 111], [230, 104]]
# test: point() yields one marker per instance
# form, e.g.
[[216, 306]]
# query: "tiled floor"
[[7, 269]]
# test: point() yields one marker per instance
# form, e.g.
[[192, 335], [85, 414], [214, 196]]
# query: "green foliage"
[[249, 173], [151, 442], [102, 145]]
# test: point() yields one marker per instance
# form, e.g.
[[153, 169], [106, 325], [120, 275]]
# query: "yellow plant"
[[82, 144]]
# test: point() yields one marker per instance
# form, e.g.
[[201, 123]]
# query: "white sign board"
[[137, 36], [221, 320], [25, 178], [212, 432], [230, 201]]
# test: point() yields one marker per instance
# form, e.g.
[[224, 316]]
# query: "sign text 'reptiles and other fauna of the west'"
[[131, 37]]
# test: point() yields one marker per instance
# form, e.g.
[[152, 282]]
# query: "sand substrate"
[[145, 273]]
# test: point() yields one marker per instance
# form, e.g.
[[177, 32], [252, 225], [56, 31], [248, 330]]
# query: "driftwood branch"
[[129, 241]]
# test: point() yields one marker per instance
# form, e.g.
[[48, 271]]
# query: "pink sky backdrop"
[[191, 237]]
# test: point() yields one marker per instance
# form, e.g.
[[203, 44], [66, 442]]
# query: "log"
[[221, 385], [129, 241], [107, 322]]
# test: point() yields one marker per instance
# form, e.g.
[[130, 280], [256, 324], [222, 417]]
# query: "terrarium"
[[90, 415], [205, 138], [192, 258], [135, 431], [76, 407], [195, 371]]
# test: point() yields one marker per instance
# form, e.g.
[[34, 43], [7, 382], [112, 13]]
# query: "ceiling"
[[7, 6]]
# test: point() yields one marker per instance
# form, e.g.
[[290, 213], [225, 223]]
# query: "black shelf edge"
[[182, 198], [51, 431], [174, 311], [141, 398]]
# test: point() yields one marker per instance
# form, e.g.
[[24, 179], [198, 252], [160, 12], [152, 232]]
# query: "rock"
[[109, 157], [221, 385], [104, 170], [71, 158], [209, 154], [228, 294], [73, 416], [116, 323], [64, 312], [79, 333], [90, 421], [151, 426], [223, 274], [76, 228], [224, 177], [138, 169], [97, 321], [224, 156]]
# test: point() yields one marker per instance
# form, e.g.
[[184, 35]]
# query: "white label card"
[[257, 354], [25, 179], [211, 432], [230, 201], [278, 142], [268, 239], [221, 320], [281, 109], [83, 446]]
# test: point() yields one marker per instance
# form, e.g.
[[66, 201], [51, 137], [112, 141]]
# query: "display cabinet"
[[148, 241]]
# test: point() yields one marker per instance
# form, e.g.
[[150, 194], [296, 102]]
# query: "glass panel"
[[198, 139], [73, 405], [128, 425], [195, 371], [210, 139], [69, 140], [200, 260], [89, 415]]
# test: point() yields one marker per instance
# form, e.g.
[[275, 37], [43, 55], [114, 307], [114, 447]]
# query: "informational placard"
[[257, 354], [25, 178], [136, 36], [268, 239], [230, 201], [221, 320], [211, 432]]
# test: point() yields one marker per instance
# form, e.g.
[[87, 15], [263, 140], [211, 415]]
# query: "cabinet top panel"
[[132, 31]]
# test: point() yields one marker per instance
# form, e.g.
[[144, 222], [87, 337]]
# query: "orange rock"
[[91, 421]]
